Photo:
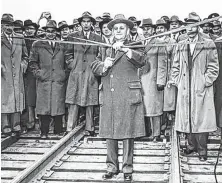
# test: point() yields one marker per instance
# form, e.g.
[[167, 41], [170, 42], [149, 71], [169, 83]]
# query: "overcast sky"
[[69, 9]]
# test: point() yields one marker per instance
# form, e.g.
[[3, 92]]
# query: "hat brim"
[[46, 27], [6, 22], [180, 22], [167, 26], [148, 25], [190, 21], [32, 24], [117, 21], [63, 26], [210, 24], [92, 19]]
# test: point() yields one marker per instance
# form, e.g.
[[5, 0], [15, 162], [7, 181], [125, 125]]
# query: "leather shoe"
[[43, 136], [127, 176], [188, 151], [202, 158], [109, 175]]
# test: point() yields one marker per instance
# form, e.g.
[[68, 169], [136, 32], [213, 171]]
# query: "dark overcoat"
[[82, 88], [49, 69], [218, 86], [120, 96], [12, 85]]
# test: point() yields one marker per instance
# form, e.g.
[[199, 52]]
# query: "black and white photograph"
[[111, 91]]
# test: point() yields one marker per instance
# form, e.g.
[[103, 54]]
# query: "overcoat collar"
[[48, 47]]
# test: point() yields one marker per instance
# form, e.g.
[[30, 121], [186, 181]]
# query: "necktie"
[[52, 45], [10, 39], [85, 36]]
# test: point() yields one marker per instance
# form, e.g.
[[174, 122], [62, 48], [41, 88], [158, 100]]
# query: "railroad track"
[[75, 158]]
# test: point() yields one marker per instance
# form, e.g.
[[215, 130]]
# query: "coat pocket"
[[135, 89], [101, 94]]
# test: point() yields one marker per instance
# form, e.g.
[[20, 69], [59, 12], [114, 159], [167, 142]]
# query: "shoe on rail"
[[202, 157], [127, 176], [109, 175], [189, 151]]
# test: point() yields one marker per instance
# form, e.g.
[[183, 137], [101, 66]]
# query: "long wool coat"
[[120, 96], [218, 87], [169, 93], [204, 72], [154, 72], [82, 86], [49, 69], [13, 58]]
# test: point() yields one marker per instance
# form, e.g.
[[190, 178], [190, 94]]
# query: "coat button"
[[112, 89], [13, 66], [111, 76], [13, 75], [84, 60], [184, 74], [11, 56], [53, 69]]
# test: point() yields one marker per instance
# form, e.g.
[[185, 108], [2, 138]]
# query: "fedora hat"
[[99, 19], [7, 18], [30, 23], [216, 23], [165, 18], [87, 15], [147, 22], [175, 18], [106, 15], [18, 24], [213, 15], [50, 24], [75, 22], [104, 21], [192, 18], [162, 22], [120, 18], [206, 24], [62, 25], [134, 20]]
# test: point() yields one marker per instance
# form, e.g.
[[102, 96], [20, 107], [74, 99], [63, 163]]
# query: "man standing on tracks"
[[14, 62], [195, 68], [121, 102], [48, 66], [82, 89]]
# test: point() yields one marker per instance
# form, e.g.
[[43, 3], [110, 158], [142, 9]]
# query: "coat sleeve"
[[69, 54], [162, 60], [212, 69], [34, 60], [24, 62], [137, 58], [175, 70]]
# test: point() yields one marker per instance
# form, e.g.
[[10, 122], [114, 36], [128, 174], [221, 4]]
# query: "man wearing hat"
[[153, 77], [175, 23], [106, 33], [120, 92], [82, 89], [64, 30], [75, 27], [28, 115], [207, 29], [14, 62], [148, 28], [97, 29], [217, 31], [18, 27], [47, 62], [134, 35], [195, 68]]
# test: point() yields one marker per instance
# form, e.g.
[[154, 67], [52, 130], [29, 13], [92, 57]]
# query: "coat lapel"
[[149, 45], [91, 37], [6, 42], [57, 48], [184, 51], [15, 42], [47, 46]]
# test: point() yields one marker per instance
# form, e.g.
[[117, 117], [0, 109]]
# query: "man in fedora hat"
[[134, 34], [28, 115], [217, 30], [207, 29], [47, 62], [175, 23], [64, 30], [18, 27], [195, 68], [75, 27], [120, 92], [153, 77], [82, 89], [97, 29], [148, 28], [14, 62], [106, 33]]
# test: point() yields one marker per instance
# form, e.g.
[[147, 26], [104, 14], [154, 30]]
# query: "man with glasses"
[[48, 66], [14, 62]]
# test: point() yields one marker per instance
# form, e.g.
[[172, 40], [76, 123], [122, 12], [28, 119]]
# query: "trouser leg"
[[155, 125], [72, 117], [164, 121], [112, 161], [192, 144], [5, 123], [147, 126], [201, 139], [89, 118], [58, 124], [15, 121], [128, 145], [45, 121], [31, 118]]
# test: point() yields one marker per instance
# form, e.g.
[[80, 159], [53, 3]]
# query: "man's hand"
[[170, 83], [160, 87], [108, 62], [24, 66]]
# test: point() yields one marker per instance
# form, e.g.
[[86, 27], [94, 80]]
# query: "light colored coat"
[[154, 72], [120, 96], [205, 70], [13, 58]]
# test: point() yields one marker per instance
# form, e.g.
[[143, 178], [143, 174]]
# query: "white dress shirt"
[[193, 44]]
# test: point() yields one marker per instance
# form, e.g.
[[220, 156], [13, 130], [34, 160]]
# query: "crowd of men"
[[52, 73]]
